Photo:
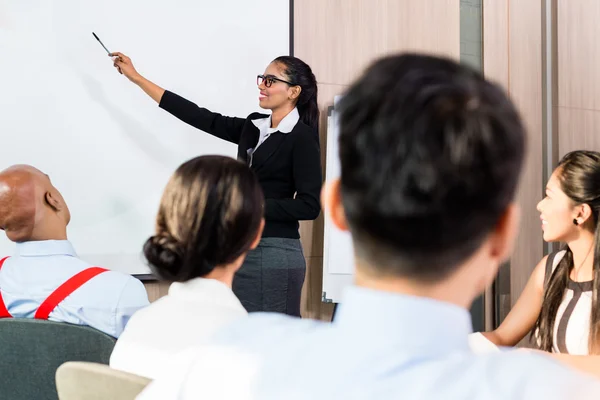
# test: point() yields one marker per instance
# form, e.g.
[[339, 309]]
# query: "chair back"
[[91, 381], [32, 350]]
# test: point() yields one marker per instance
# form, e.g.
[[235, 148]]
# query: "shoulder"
[[558, 256], [120, 277], [551, 260], [305, 135], [278, 323], [517, 375], [546, 267], [302, 128], [266, 329], [546, 378], [539, 272], [128, 290], [256, 115]]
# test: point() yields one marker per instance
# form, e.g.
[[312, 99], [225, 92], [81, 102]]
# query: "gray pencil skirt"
[[272, 276]]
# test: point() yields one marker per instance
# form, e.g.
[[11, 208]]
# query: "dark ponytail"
[[553, 295], [299, 73], [579, 176], [594, 340]]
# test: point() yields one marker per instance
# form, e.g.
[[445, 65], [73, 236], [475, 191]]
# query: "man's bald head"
[[31, 208]]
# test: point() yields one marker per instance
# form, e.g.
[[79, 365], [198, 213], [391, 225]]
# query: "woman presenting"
[[283, 151]]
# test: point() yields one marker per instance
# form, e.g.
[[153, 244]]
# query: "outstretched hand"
[[124, 65]]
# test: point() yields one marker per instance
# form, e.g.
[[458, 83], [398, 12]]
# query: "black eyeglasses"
[[269, 79]]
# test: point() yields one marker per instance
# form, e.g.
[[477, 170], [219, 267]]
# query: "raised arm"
[[124, 65], [521, 319], [226, 128]]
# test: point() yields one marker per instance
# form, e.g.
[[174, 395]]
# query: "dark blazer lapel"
[[267, 149], [247, 143]]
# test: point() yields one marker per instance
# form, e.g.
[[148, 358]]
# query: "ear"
[[294, 92], [331, 199], [258, 235], [498, 248], [503, 237], [53, 201], [583, 213]]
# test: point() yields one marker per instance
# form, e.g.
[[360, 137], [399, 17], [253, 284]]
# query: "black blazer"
[[285, 164]]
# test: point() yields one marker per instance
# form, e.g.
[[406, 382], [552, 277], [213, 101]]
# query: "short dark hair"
[[431, 155], [209, 215]]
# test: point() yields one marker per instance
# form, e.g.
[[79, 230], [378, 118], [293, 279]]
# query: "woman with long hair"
[[559, 305], [282, 148]]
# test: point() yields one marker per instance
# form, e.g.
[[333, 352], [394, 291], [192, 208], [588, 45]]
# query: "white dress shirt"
[[106, 302], [190, 313], [380, 346], [286, 125]]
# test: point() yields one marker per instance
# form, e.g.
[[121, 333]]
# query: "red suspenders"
[[3, 310], [62, 292]]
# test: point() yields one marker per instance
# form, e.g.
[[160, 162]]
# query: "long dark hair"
[[579, 175], [299, 73], [209, 214]]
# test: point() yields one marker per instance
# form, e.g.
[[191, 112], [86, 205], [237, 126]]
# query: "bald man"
[[45, 279]]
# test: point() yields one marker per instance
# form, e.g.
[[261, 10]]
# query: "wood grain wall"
[[578, 74], [338, 39], [513, 57]]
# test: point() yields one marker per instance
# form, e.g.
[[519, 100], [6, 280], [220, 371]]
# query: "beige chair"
[[91, 381]]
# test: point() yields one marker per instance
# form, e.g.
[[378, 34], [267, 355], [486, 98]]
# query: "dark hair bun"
[[164, 254], [209, 216]]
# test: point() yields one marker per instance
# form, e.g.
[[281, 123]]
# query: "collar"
[[205, 291], [416, 323], [286, 125], [45, 248]]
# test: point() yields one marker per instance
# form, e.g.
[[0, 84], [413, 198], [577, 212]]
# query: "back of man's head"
[[31, 208], [430, 156]]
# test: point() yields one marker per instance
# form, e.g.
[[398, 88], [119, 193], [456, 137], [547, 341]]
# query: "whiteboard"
[[106, 145], [338, 252]]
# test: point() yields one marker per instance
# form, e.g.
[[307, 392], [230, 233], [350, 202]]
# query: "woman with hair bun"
[[210, 217]]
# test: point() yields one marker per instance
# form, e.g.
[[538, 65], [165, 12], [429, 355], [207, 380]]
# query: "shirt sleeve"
[[133, 297], [226, 128], [306, 165]]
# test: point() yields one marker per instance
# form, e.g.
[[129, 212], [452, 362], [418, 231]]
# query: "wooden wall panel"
[[311, 306], [578, 59], [495, 41], [578, 54], [525, 66], [338, 39], [156, 289], [513, 57], [311, 232], [578, 129]]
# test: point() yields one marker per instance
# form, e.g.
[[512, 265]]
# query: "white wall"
[[107, 146]]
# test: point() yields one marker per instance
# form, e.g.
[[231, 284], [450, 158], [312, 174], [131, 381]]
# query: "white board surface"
[[338, 252], [106, 145]]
